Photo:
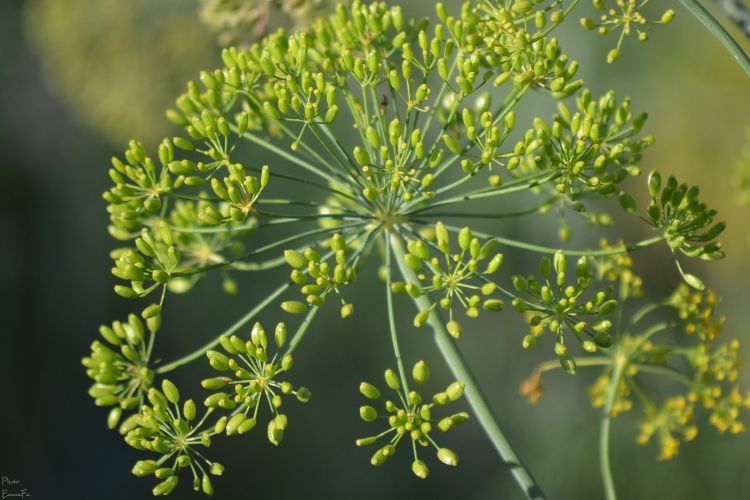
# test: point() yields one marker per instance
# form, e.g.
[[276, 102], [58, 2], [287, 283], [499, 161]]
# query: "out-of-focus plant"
[[738, 12], [742, 175], [684, 348], [116, 64], [429, 140], [241, 22]]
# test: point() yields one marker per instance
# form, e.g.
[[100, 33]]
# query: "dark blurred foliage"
[[56, 290]]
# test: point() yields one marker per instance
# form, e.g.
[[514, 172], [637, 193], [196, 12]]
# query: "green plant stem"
[[549, 250], [266, 248], [461, 371], [666, 371], [302, 329], [717, 30], [605, 464], [288, 156], [514, 187], [554, 364], [391, 316], [233, 328]]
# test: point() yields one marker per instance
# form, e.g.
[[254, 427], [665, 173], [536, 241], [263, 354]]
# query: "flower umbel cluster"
[[254, 379], [410, 416], [709, 382], [121, 376], [169, 429], [550, 304], [395, 128], [456, 277], [627, 17]]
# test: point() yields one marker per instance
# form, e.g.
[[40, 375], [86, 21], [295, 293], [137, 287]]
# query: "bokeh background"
[[81, 77]]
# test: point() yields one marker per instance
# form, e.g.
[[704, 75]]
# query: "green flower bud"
[[217, 360], [368, 413], [613, 55], [303, 394], [144, 468], [347, 310], [246, 426], [378, 458], [361, 156], [214, 383], [420, 469], [452, 144], [189, 410], [421, 318], [494, 264], [295, 259], [455, 390], [170, 391], [693, 281], [589, 346], [607, 307], [206, 485], [165, 487], [454, 329], [447, 457], [279, 335], [373, 137], [494, 305], [568, 364], [369, 391], [391, 379], [667, 17], [114, 417], [294, 307], [421, 372]]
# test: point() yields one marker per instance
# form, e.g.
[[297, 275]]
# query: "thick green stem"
[[236, 326], [461, 371], [717, 30], [604, 434]]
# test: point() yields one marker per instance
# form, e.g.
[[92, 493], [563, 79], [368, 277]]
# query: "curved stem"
[[476, 399], [233, 328], [717, 30], [604, 434]]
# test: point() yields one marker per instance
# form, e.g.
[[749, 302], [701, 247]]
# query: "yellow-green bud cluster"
[[512, 49], [317, 277], [708, 370], [171, 430], [148, 265], [685, 222], [244, 21], [591, 149], [553, 305], [454, 276], [252, 380], [120, 370], [410, 416], [627, 18]]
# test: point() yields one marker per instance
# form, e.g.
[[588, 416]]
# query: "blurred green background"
[[79, 78]]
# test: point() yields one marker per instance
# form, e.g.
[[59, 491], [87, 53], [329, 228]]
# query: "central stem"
[[619, 364], [462, 372]]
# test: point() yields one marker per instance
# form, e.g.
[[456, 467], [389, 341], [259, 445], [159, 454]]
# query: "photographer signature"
[[11, 488]]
